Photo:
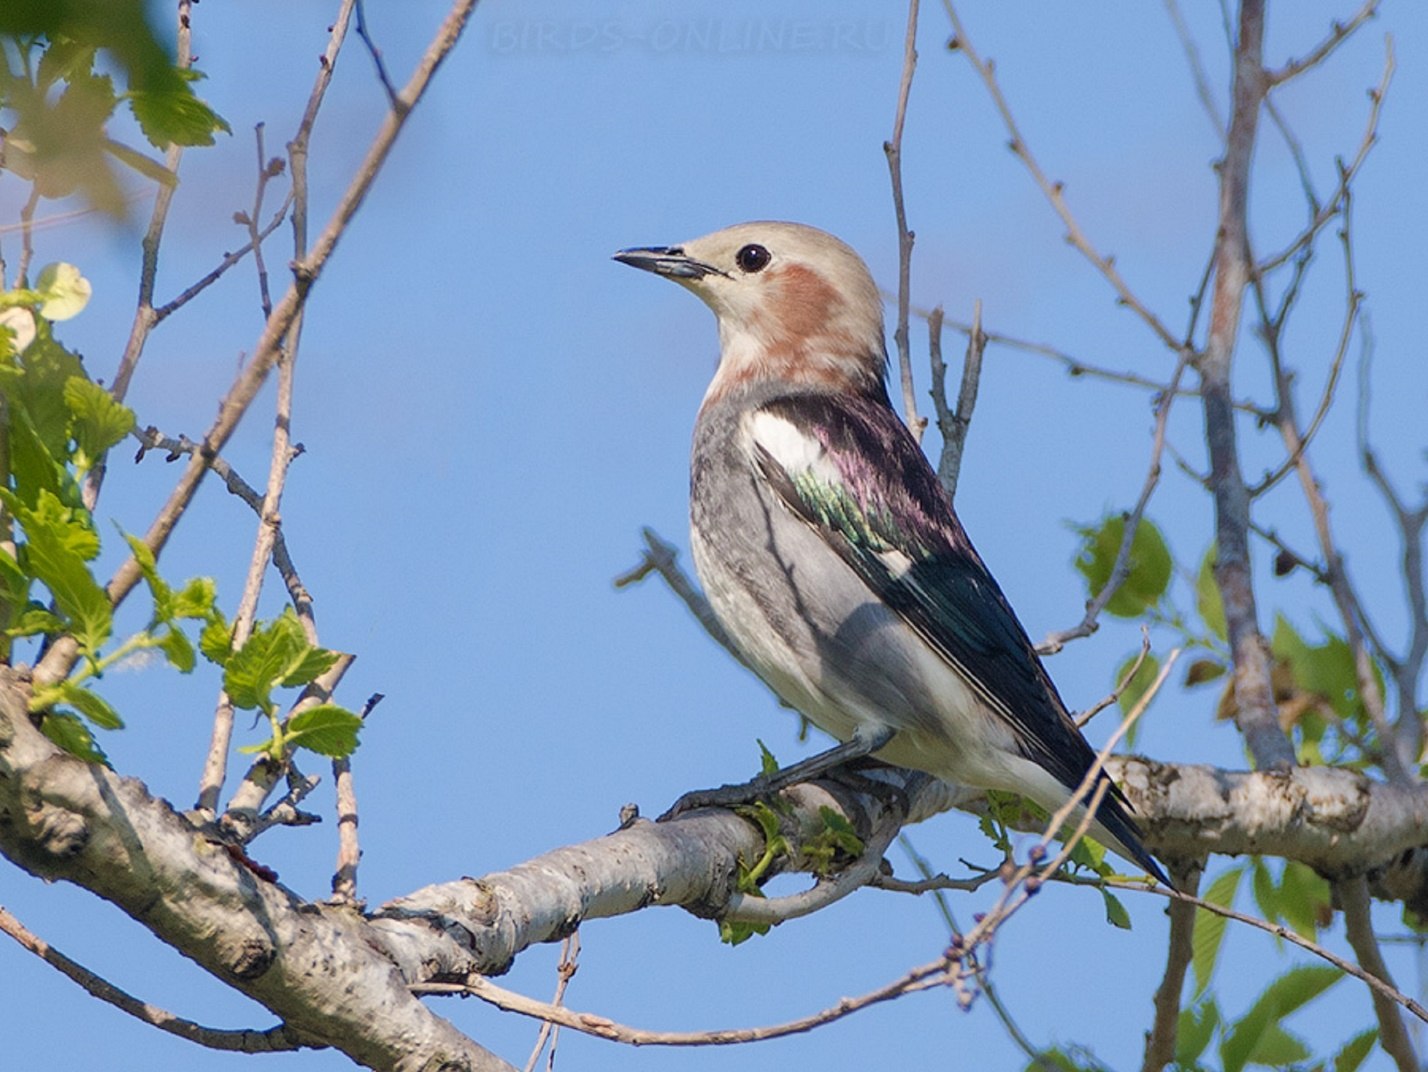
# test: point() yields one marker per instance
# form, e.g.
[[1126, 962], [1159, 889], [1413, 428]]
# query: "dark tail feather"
[[1113, 815]]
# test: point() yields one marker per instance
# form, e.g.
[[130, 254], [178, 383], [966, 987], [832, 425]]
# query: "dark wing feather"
[[889, 499]]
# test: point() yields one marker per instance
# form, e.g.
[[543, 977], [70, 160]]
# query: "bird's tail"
[[1114, 825]]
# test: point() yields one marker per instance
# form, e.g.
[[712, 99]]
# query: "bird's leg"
[[865, 741]]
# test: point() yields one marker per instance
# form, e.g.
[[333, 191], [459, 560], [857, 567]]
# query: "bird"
[[830, 551]]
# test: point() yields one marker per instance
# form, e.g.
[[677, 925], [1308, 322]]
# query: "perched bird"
[[829, 549]]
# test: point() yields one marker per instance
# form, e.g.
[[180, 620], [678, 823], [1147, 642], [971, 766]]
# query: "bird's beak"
[[666, 260]]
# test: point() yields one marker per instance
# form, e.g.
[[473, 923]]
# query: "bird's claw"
[[725, 796]]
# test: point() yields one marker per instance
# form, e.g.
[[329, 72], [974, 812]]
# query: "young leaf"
[[197, 599], [1305, 899], [97, 421], [73, 736], [1148, 569], [57, 544], [767, 763], [1258, 1036], [178, 649], [174, 116], [1355, 1050], [326, 729], [1210, 928], [1207, 598], [215, 640], [273, 653], [89, 704], [1116, 914], [1197, 1027]]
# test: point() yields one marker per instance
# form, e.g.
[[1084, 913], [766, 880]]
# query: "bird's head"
[[794, 304]]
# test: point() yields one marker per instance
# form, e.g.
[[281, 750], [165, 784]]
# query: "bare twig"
[[1124, 683], [1340, 33], [1330, 208], [280, 1039], [565, 971], [1397, 767], [1197, 68], [1256, 713], [166, 310], [1054, 191], [63, 653], [1160, 1043], [376, 54], [661, 557], [1353, 896], [893, 150], [27, 235], [349, 847], [955, 423], [1120, 568]]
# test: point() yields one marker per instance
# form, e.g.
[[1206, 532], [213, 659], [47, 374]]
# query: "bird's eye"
[[752, 258]]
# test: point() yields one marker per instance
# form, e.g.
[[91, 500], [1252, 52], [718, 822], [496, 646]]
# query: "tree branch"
[[1353, 896], [1160, 1043], [278, 1039], [893, 151]]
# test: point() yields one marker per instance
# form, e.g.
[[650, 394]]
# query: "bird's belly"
[[844, 659]]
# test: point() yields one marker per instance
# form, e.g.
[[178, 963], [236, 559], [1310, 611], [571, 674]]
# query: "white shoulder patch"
[[793, 449]]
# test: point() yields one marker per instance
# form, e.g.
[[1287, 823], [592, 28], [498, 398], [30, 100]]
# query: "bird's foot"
[[725, 796]]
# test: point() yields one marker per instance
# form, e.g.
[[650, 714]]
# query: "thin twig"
[[349, 846], [1353, 897], [893, 150], [1054, 192], [376, 54], [1095, 709], [954, 424], [565, 971], [1330, 208], [1197, 69], [229, 260], [1120, 568], [27, 235], [1340, 33], [64, 653], [1397, 767], [280, 1039], [661, 557]]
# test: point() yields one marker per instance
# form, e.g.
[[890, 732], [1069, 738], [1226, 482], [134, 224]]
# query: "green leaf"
[[1266, 892], [1277, 1048], [97, 421], [73, 736], [1353, 1052], [58, 541], [275, 654], [313, 663], [1196, 1028], [1148, 569], [39, 392], [215, 640], [178, 649], [1304, 899], [1116, 914], [35, 620], [197, 599], [1210, 928], [1258, 1037], [1207, 598], [175, 116], [767, 763], [158, 587], [326, 729], [89, 704]]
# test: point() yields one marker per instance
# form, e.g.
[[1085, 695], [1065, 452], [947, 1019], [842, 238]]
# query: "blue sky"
[[492, 409]]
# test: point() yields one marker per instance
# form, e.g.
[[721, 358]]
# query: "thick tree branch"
[[318, 969], [1255, 714]]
